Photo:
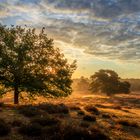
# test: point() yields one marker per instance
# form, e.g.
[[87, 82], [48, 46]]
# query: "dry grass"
[[116, 118]]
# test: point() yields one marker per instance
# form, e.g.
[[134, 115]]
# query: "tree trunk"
[[16, 95]]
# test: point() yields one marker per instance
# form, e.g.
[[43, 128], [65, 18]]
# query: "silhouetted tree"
[[124, 87], [29, 62], [83, 84], [108, 81], [135, 84]]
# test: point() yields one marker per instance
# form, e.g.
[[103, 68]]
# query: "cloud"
[[102, 28], [100, 8]]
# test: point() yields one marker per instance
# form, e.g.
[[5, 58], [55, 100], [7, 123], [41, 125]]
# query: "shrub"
[[127, 111], [63, 109], [1, 104], [78, 133], [114, 116], [75, 108], [89, 118], [80, 112], [31, 129], [97, 134], [75, 133], [106, 116], [45, 121], [84, 124], [4, 128], [51, 132], [16, 123], [29, 111], [117, 107], [52, 109], [92, 110], [128, 123]]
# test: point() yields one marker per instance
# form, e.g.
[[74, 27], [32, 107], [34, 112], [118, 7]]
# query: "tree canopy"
[[29, 62], [108, 81]]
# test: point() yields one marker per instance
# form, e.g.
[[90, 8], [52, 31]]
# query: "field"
[[77, 117]]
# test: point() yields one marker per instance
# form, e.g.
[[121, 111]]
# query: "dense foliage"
[[29, 62], [108, 81]]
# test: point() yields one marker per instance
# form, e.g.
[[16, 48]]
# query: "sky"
[[99, 34]]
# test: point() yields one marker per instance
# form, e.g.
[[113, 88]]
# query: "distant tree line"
[[135, 84], [103, 81], [108, 81]]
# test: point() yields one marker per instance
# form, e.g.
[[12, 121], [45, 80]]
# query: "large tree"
[[108, 81], [29, 62]]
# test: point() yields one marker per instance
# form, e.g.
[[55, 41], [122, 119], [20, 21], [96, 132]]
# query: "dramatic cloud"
[[103, 28]]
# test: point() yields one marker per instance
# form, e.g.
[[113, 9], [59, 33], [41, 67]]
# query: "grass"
[[54, 109], [76, 108], [128, 123], [1, 104], [89, 118], [31, 130], [4, 128], [92, 109], [78, 118], [80, 112], [106, 116], [84, 124], [78, 133], [29, 111], [16, 123], [45, 121]]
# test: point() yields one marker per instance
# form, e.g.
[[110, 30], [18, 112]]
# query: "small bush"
[[1, 104], [114, 116], [80, 112], [128, 123], [52, 109], [127, 111], [1, 110], [4, 128], [101, 106], [89, 118], [63, 109], [106, 116], [75, 108], [84, 124], [97, 134], [16, 123], [78, 133], [29, 111], [92, 110], [31, 130], [51, 132], [117, 107], [45, 121]]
